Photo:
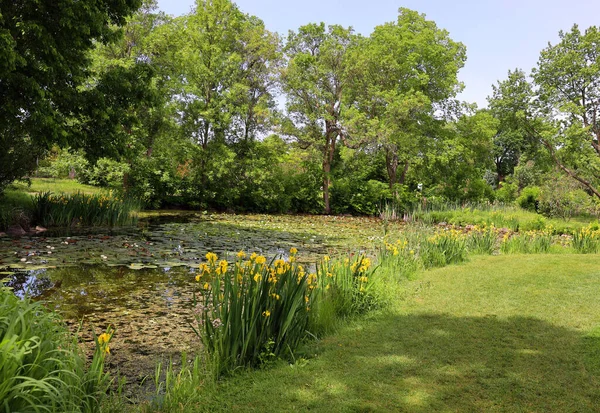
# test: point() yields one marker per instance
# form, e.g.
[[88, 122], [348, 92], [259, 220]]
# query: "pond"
[[141, 280]]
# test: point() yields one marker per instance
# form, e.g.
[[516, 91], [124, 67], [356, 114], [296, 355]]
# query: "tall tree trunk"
[[391, 163], [404, 172], [328, 154]]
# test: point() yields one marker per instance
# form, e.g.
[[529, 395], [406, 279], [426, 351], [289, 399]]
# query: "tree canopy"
[[44, 47]]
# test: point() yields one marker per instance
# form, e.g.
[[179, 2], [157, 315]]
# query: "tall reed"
[[83, 209]]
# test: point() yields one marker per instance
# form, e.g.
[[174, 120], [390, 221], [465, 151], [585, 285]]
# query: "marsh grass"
[[586, 240], [84, 210], [482, 240], [501, 216], [444, 247], [530, 242], [41, 366], [249, 312], [347, 287]]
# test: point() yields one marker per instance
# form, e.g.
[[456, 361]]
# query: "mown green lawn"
[[56, 186], [499, 334]]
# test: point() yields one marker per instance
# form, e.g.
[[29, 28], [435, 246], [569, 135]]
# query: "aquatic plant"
[[41, 366], [482, 239], [444, 247], [250, 309], [587, 240], [83, 209], [529, 242]]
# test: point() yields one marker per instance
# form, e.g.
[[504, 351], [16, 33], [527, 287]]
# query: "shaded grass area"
[[501, 333]]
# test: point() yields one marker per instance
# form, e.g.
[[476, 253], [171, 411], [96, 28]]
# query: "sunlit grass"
[[504, 333], [57, 186]]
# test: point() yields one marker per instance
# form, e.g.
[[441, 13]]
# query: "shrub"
[[62, 162], [507, 193], [564, 198], [529, 198], [108, 173]]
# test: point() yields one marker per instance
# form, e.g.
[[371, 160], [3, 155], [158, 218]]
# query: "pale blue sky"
[[499, 35]]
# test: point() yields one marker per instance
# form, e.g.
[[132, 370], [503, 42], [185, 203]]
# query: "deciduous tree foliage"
[[404, 79], [314, 81], [567, 120], [43, 55]]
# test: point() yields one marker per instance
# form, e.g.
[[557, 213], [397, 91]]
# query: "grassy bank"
[[500, 333], [507, 216], [62, 203]]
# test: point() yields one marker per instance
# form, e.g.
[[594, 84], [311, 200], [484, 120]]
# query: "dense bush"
[[350, 196], [108, 173], [564, 198], [60, 163], [507, 193], [529, 198]]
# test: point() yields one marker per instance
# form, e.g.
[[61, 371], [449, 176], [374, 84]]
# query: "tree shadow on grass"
[[434, 363]]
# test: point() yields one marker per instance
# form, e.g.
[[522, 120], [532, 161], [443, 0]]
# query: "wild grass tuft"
[[82, 209], [41, 367], [587, 240]]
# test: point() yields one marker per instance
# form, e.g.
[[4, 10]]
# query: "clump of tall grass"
[[482, 239], [399, 258], [83, 209], [444, 247], [347, 287], [178, 388], [252, 310], [41, 366], [586, 240], [529, 242]]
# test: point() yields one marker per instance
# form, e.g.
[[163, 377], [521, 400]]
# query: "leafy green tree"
[[219, 69], [44, 57], [566, 119], [511, 100], [314, 80], [404, 77], [459, 168]]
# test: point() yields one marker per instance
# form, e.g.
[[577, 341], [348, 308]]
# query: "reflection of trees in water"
[[31, 283]]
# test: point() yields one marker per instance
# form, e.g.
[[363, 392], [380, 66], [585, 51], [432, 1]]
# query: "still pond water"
[[141, 280]]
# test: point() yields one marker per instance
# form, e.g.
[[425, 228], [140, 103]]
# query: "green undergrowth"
[[506, 216], [500, 333], [42, 369]]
